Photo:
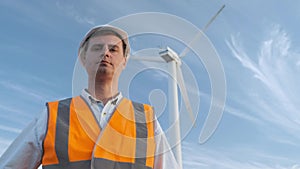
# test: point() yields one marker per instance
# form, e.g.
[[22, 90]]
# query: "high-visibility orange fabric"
[[83, 131], [116, 142], [122, 133], [50, 157], [150, 141]]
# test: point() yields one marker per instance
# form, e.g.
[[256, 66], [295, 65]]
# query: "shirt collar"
[[91, 100]]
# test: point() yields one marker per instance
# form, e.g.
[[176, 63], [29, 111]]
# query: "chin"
[[104, 73], [102, 70]]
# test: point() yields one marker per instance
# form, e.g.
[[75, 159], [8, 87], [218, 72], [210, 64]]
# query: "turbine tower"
[[174, 63], [173, 60]]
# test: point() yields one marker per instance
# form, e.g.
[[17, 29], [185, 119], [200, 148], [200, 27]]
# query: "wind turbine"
[[173, 60]]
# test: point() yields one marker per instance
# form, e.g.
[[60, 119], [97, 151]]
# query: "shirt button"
[[104, 113]]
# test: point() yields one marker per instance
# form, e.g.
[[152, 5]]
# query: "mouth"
[[104, 63]]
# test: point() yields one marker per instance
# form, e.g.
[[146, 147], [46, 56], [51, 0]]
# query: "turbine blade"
[[147, 58], [198, 35], [183, 91], [213, 18]]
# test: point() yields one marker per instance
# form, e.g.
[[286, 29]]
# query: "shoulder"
[[138, 104], [60, 102], [147, 109]]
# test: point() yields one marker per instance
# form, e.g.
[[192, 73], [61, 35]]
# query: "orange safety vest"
[[74, 139]]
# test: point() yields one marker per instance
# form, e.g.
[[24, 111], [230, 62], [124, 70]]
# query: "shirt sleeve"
[[164, 157], [26, 150]]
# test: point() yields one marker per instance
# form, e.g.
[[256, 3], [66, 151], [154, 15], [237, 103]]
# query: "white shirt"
[[27, 149]]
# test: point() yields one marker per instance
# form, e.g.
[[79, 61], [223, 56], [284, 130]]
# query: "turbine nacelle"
[[170, 55]]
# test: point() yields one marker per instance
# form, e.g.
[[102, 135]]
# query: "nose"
[[106, 51]]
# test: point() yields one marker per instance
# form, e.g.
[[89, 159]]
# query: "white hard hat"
[[102, 28]]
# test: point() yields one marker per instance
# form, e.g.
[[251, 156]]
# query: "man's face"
[[104, 57]]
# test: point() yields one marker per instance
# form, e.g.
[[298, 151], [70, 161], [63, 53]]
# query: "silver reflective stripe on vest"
[[141, 133], [62, 131], [108, 164]]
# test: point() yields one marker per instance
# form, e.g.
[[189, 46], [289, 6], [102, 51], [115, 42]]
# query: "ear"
[[82, 58], [125, 62]]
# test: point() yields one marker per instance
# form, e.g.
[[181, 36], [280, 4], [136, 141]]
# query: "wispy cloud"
[[30, 84], [36, 79], [4, 143], [74, 13], [286, 141], [242, 115], [9, 112], [37, 12], [10, 109], [22, 89], [212, 158], [276, 88], [10, 129]]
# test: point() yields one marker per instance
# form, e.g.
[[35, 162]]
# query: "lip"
[[103, 62]]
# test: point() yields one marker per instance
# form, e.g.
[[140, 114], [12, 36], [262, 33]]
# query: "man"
[[98, 129]]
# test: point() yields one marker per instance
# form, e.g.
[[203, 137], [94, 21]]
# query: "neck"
[[103, 90]]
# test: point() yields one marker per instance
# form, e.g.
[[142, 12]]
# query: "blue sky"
[[257, 43]]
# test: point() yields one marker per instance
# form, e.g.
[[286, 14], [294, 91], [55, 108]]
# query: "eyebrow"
[[109, 45], [113, 46], [98, 44]]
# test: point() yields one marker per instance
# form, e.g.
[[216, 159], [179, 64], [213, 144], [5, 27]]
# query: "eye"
[[113, 49], [97, 47]]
